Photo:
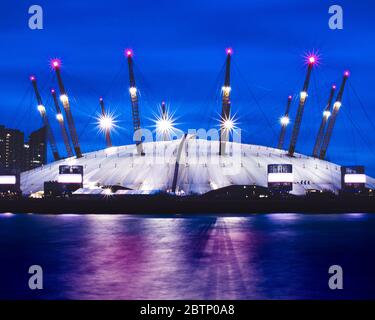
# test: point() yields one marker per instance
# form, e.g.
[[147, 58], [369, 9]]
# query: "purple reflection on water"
[[187, 257]]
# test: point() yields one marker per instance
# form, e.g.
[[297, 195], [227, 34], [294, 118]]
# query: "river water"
[[264, 256]]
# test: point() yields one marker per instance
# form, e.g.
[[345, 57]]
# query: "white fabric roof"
[[200, 169]]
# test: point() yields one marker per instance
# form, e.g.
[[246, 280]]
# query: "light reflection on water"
[[187, 257]]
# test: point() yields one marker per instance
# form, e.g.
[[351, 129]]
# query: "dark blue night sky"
[[179, 51]]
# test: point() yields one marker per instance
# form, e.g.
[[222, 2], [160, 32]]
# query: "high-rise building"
[[16, 154], [11, 148], [35, 150]]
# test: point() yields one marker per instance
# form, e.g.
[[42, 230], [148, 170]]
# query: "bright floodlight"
[[337, 105], [226, 90], [107, 191], [303, 95], [228, 124], [64, 99], [133, 91], [164, 123], [41, 108], [284, 120], [106, 123], [326, 114]]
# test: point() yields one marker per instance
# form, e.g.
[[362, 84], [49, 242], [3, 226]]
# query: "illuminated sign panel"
[[8, 180], [280, 177], [70, 178], [355, 178]]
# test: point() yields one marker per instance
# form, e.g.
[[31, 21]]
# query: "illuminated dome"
[[200, 169]]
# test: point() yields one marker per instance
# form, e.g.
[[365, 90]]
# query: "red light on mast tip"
[[290, 98], [100, 99], [129, 52], [229, 51], [32, 78], [55, 63], [312, 59], [52, 90], [334, 87], [347, 73]]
